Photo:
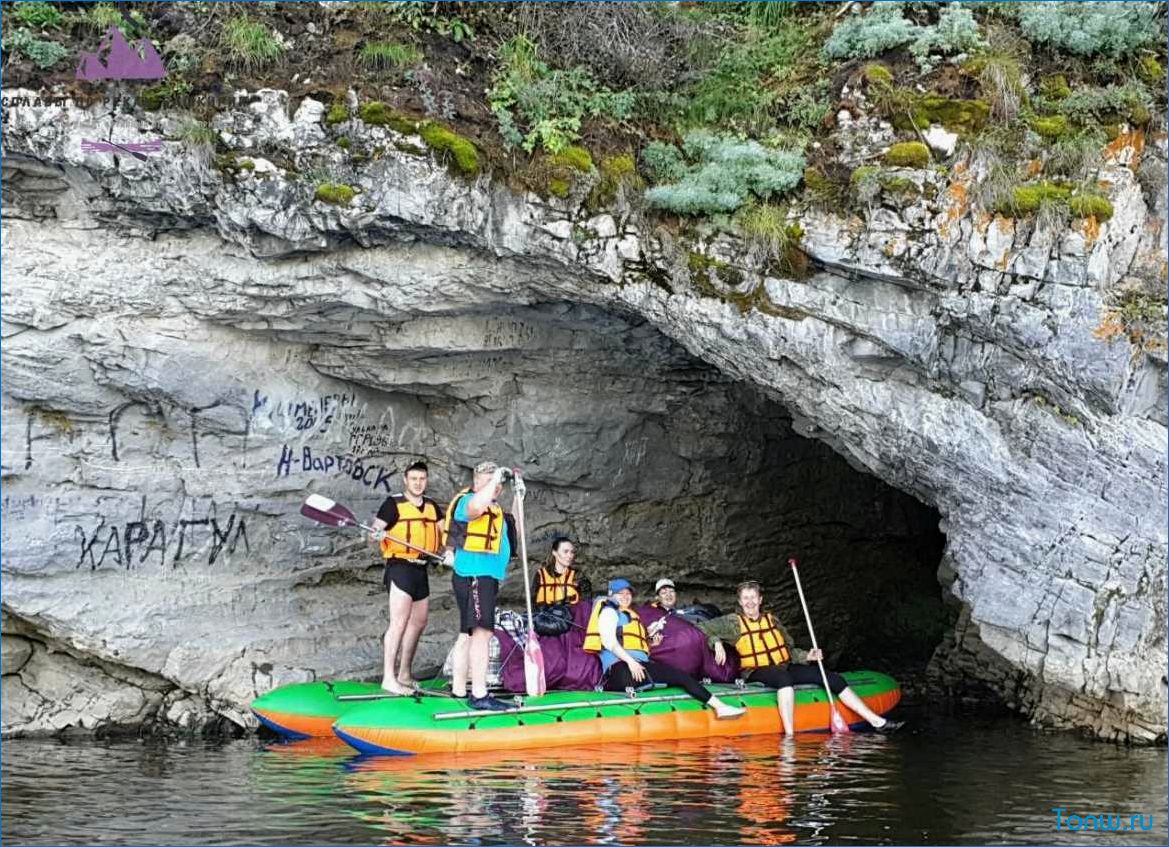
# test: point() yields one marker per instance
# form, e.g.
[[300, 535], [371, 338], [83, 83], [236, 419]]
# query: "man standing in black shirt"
[[417, 519]]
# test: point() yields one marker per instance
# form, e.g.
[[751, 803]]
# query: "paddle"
[[534, 680], [331, 513], [839, 725]]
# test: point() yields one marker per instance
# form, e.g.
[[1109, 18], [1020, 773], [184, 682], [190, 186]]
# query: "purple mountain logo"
[[116, 59]]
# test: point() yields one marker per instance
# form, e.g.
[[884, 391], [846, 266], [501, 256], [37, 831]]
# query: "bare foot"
[[408, 682], [395, 687]]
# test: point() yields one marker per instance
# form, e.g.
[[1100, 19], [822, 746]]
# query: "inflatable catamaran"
[[434, 721]]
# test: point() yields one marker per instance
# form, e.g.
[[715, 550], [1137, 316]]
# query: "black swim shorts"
[[475, 596], [409, 577]]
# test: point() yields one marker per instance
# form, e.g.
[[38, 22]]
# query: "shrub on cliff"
[[1092, 29], [724, 173], [885, 28], [44, 54], [538, 106]]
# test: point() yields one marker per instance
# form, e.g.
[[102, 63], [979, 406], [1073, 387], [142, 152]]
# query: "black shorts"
[[475, 596], [793, 675], [409, 577]]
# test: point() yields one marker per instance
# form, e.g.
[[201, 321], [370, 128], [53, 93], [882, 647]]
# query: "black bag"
[[699, 612], [552, 620]]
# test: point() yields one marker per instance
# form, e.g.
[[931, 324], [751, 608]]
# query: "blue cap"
[[617, 584]]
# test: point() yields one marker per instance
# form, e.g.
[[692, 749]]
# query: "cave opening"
[[656, 464]]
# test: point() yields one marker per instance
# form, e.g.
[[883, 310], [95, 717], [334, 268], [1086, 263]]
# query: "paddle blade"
[[839, 725], [329, 512], [534, 680]]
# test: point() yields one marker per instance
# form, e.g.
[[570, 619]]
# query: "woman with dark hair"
[[557, 582]]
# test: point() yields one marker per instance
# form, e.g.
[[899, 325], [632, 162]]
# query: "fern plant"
[[537, 106]]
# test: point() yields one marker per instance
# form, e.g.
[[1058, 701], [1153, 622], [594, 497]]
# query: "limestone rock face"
[[187, 352]]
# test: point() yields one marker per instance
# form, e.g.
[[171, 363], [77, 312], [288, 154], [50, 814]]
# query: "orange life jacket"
[[631, 635], [761, 643], [552, 587], [481, 535], [419, 526]]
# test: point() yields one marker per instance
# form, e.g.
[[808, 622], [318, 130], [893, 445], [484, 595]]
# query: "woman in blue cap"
[[615, 632]]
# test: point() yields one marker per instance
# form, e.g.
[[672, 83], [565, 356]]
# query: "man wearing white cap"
[[616, 635], [667, 597]]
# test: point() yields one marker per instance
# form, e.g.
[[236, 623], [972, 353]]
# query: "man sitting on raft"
[[557, 582], [765, 656], [615, 632], [665, 595]]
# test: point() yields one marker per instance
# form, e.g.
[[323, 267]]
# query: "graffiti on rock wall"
[[305, 460], [181, 541]]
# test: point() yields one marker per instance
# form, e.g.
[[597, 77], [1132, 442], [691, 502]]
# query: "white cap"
[[664, 582]]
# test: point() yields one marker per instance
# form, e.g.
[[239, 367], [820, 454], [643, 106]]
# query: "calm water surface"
[[940, 781]]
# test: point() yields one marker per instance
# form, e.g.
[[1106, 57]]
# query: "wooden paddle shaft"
[[812, 634]]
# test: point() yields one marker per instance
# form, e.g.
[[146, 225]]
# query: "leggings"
[[618, 679], [790, 675]]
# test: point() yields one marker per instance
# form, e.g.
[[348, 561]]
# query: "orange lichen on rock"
[[1126, 148], [1034, 168], [1090, 229], [958, 204]]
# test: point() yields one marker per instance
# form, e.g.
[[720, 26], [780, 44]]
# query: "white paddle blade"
[[329, 512], [319, 502]]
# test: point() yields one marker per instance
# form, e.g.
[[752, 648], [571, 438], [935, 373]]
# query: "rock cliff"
[[191, 343]]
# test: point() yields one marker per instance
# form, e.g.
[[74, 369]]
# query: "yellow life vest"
[[481, 535], [632, 635], [552, 587], [761, 643], [418, 526]]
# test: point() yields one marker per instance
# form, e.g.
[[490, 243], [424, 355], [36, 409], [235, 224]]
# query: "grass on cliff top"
[[250, 43]]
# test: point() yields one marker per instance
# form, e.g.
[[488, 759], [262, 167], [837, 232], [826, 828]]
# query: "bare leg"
[[459, 665], [849, 698], [480, 655], [786, 699], [419, 611], [399, 616]]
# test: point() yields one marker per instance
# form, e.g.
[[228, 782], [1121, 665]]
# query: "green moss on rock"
[[898, 185], [464, 156], [875, 74], [615, 172], [343, 142], [1027, 199], [1055, 87], [1091, 206], [961, 116], [338, 113], [701, 266], [559, 187], [863, 174], [1150, 70], [335, 193], [907, 154], [377, 113], [1052, 127], [574, 157]]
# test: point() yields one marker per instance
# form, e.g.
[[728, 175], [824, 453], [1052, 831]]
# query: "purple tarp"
[[567, 667], [684, 647]]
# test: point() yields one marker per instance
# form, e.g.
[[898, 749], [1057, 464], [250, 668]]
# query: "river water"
[[941, 780]]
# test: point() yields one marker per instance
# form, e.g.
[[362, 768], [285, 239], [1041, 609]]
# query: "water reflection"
[[946, 781]]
